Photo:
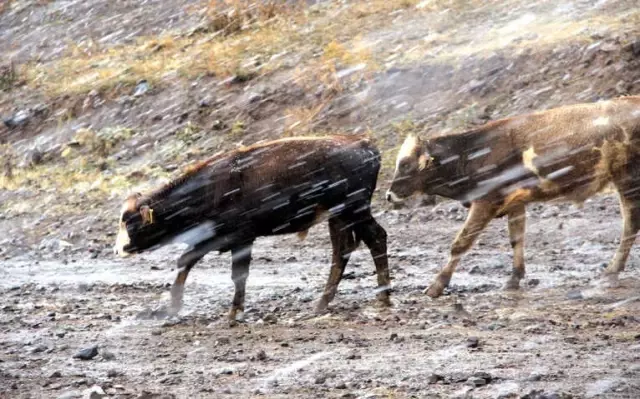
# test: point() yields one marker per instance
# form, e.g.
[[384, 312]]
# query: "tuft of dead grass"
[[5, 5], [100, 144], [231, 16], [253, 46], [301, 120], [8, 76]]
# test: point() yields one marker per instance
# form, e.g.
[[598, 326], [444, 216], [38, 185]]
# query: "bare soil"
[[562, 335]]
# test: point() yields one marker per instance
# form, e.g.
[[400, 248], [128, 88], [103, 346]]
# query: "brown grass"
[[229, 48], [231, 16], [5, 5]]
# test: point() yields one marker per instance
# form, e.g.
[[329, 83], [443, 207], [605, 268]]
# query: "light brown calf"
[[568, 153]]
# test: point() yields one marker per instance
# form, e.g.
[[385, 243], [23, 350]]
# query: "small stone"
[[393, 337], [533, 282], [575, 294], [107, 355], [61, 334], [635, 48], [473, 342], [95, 392], [475, 270], [622, 87], [112, 373], [70, 395], [476, 381], [321, 379], [434, 378], [20, 118], [262, 355], [484, 375], [156, 332], [56, 374], [341, 385], [141, 88], [33, 157], [39, 349], [87, 353], [270, 319]]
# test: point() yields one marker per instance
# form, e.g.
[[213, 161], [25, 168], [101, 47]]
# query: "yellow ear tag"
[[424, 160], [150, 215]]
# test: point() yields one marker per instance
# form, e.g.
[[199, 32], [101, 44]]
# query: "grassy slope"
[[317, 56]]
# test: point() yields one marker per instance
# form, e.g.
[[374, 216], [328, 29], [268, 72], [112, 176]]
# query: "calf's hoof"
[[236, 316], [513, 284], [435, 289], [384, 299], [321, 307], [174, 309], [609, 280]]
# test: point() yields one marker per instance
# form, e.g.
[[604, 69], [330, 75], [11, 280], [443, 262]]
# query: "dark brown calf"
[[280, 187], [568, 153]]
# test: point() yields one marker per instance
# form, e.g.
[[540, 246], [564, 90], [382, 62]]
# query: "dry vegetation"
[[239, 38], [327, 48], [248, 39]]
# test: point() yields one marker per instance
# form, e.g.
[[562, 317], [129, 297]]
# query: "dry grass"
[[58, 177], [451, 45], [5, 5], [251, 38], [300, 120], [229, 48], [231, 16], [338, 66], [8, 76]]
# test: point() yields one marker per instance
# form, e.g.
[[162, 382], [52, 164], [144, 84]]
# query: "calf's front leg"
[[240, 260], [342, 243], [185, 263], [480, 214], [517, 222]]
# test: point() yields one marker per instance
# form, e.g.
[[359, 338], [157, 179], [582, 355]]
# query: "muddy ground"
[[562, 335], [440, 65]]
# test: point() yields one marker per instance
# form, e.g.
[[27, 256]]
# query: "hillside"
[[99, 99], [102, 98]]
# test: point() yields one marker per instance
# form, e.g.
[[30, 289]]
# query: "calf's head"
[[140, 227], [414, 165]]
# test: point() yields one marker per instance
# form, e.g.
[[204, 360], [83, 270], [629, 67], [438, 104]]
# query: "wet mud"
[[562, 335]]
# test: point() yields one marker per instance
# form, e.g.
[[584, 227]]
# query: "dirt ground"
[[441, 65], [562, 335]]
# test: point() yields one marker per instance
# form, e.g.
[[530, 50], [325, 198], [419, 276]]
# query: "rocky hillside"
[[100, 98]]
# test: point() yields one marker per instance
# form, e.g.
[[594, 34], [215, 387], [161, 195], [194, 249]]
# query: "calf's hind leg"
[[630, 210], [343, 243], [375, 237], [517, 222], [480, 214]]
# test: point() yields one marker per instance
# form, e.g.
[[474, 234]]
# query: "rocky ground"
[[562, 336], [102, 98]]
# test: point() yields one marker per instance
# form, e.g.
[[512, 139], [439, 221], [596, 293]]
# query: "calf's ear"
[[147, 214], [433, 151], [426, 157], [424, 160]]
